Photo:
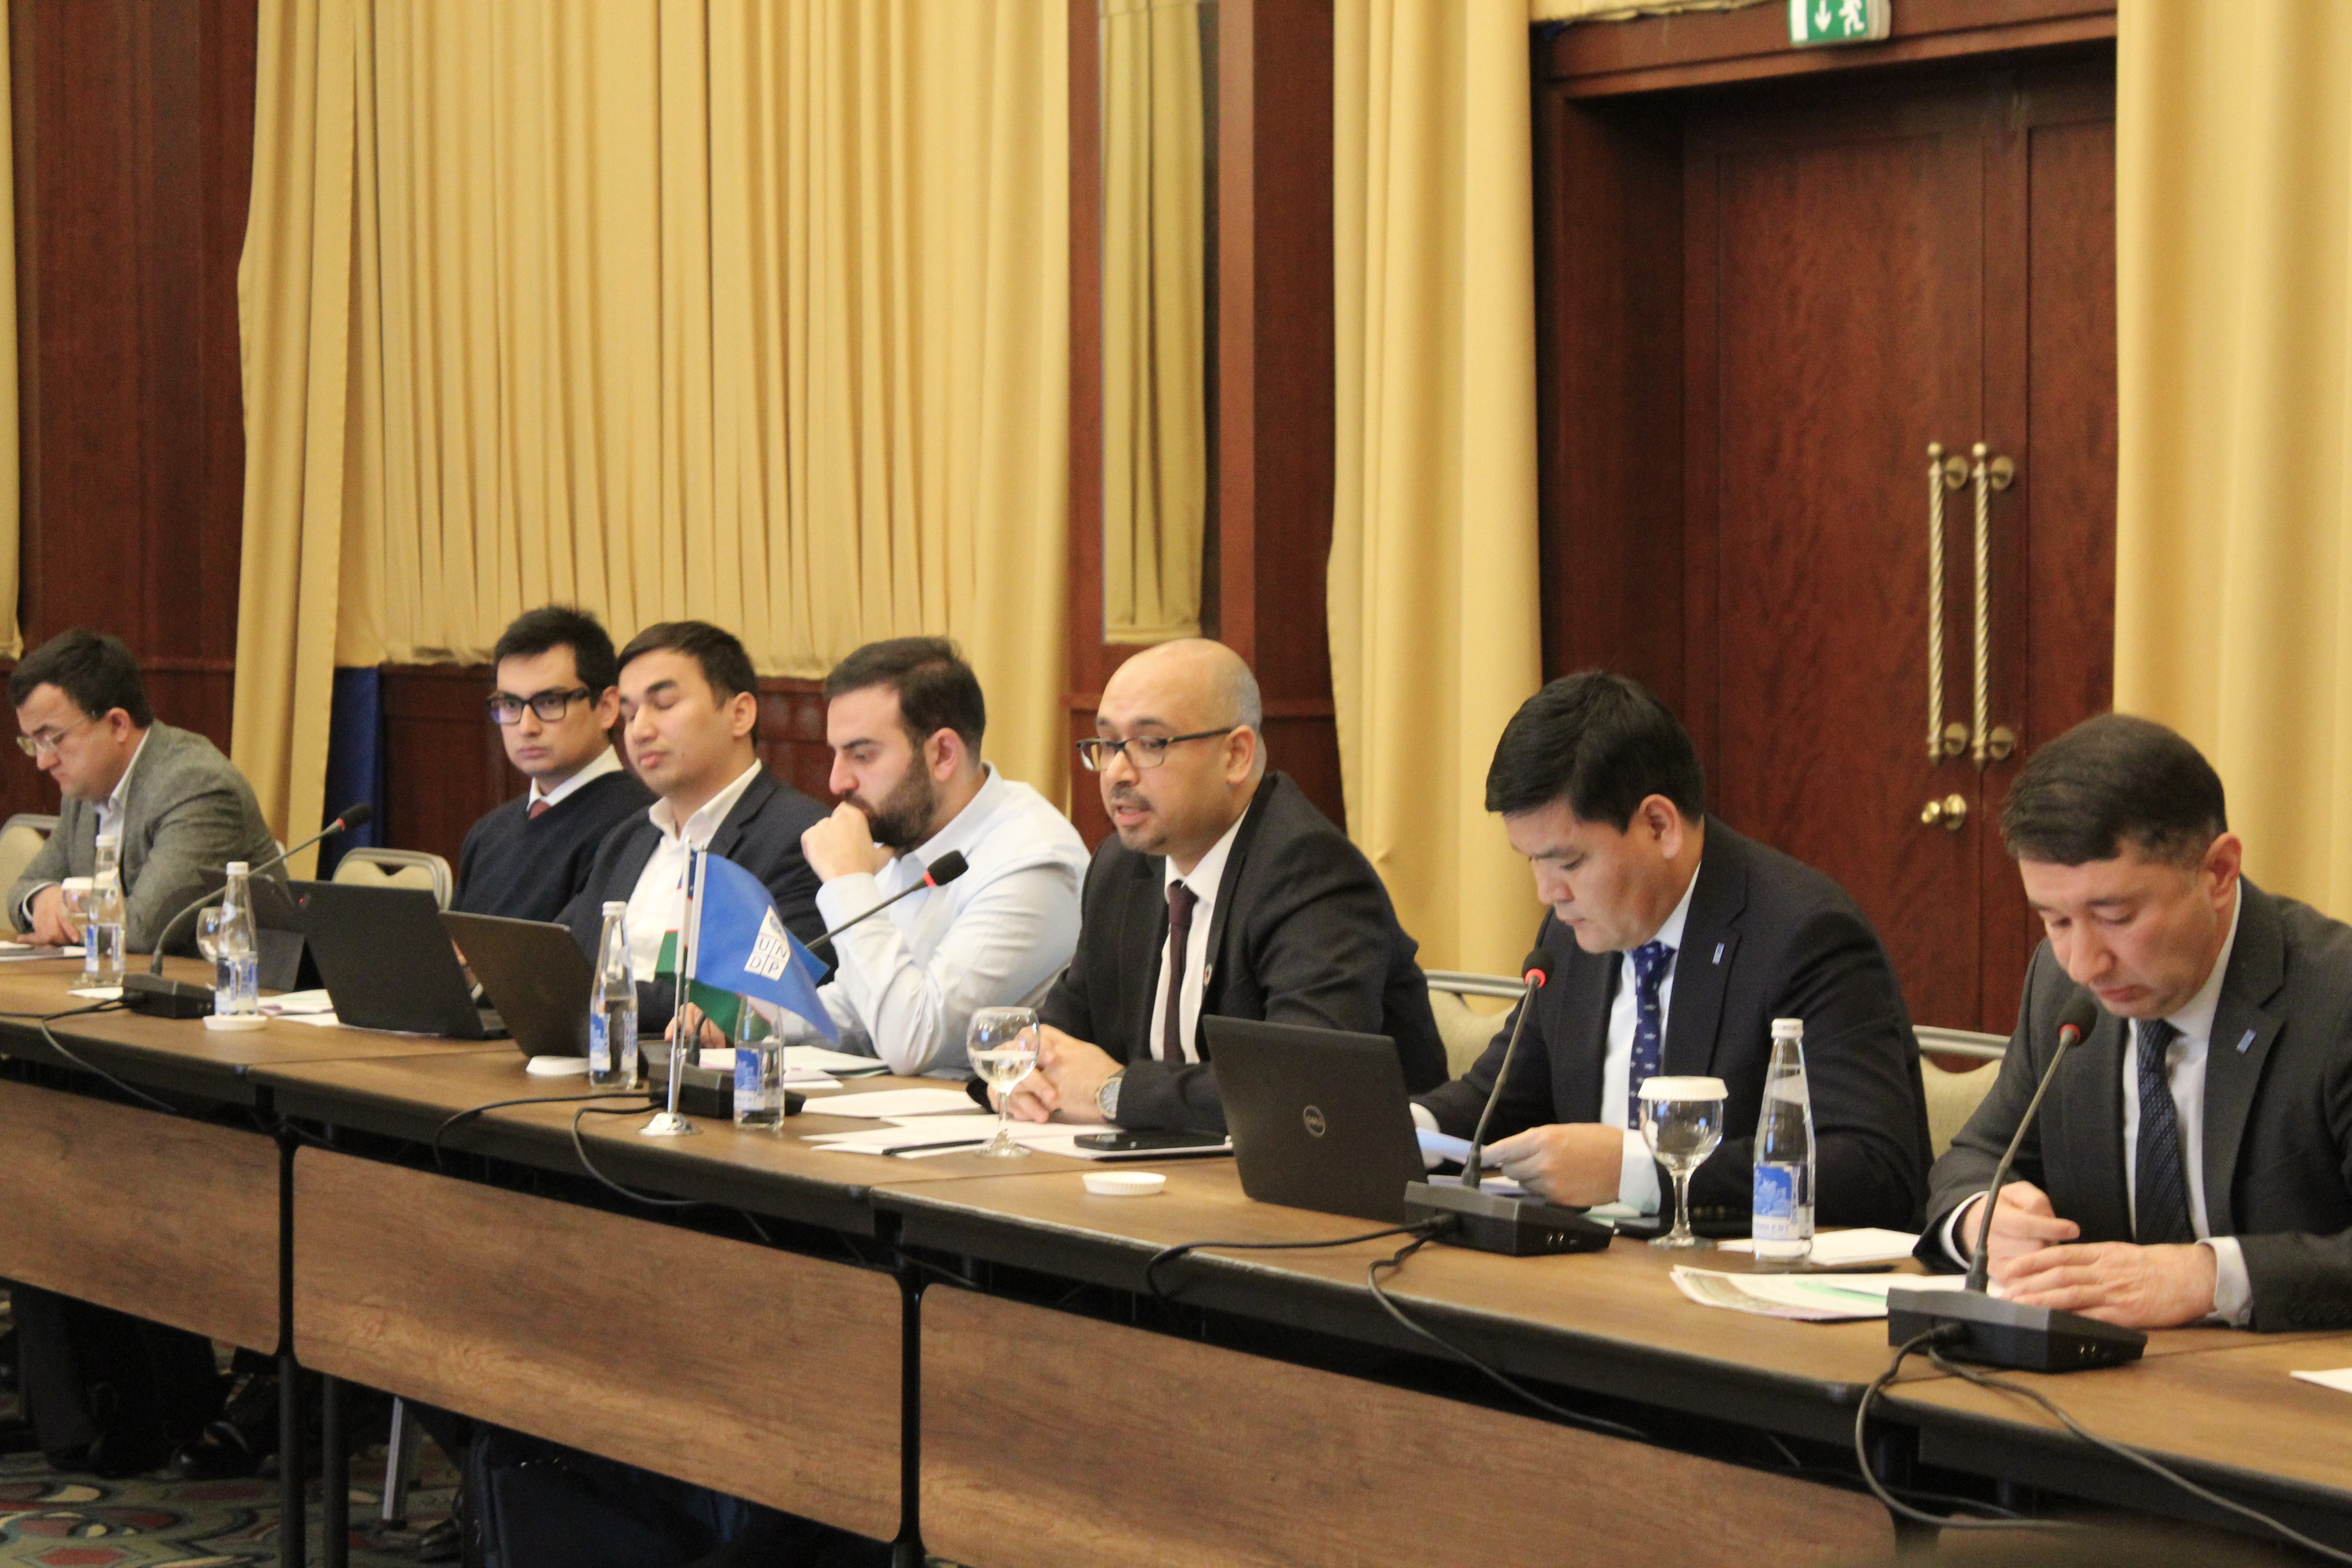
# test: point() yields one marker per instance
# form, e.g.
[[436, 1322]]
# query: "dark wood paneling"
[[1263, 593], [445, 765], [134, 123], [1655, 53]]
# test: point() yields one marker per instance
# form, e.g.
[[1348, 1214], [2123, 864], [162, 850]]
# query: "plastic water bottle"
[[1784, 1153], [236, 965], [102, 935], [759, 1071], [613, 1007]]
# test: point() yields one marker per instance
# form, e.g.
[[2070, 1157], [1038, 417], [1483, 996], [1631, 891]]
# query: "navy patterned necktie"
[[1650, 962], [1181, 899], [2159, 1182]]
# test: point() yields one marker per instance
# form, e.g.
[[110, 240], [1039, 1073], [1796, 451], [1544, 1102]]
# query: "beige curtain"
[[1155, 420], [749, 311], [2233, 530], [12, 636], [1435, 630]]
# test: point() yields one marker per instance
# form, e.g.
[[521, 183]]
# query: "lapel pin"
[[2244, 1040], [1719, 952]]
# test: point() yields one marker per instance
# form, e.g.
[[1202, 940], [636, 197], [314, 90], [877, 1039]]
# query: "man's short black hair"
[[936, 690], [96, 670], [2111, 782], [1600, 742], [559, 626], [718, 651]]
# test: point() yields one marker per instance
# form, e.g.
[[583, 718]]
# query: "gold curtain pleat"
[[745, 311], [2233, 529], [1434, 632], [12, 637], [1154, 318]]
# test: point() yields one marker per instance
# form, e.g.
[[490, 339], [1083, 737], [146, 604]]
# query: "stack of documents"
[[1813, 1298], [919, 1137], [1847, 1248]]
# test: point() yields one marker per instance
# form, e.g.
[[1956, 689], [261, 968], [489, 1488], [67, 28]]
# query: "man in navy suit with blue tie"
[[1675, 942]]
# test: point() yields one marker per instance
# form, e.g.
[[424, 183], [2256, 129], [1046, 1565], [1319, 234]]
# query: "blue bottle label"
[[747, 1074], [600, 1045], [1775, 1203]]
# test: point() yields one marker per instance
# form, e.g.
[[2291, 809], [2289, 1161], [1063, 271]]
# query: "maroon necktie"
[[537, 809], [1181, 899]]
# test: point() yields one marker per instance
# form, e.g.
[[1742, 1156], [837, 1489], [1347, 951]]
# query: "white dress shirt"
[[658, 899], [2184, 1071], [1637, 1174], [1203, 880], [910, 979], [607, 762]]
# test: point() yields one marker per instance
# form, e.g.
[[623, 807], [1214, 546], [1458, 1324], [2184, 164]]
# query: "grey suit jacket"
[[2277, 1158], [188, 811]]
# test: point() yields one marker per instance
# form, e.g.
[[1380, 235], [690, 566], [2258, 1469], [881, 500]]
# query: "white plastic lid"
[[1663, 1088], [235, 867], [1788, 1028]]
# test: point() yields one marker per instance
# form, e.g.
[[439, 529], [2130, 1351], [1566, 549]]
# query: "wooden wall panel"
[[134, 123], [445, 765]]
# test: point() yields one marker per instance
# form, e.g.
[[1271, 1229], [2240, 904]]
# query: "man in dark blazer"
[[1278, 917], [690, 709], [2193, 1157], [1675, 942]]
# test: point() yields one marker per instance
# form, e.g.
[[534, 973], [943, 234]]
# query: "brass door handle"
[[1951, 813], [1988, 742], [1943, 473]]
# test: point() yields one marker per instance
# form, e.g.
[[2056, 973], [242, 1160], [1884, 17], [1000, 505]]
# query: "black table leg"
[[291, 1526], [334, 1478]]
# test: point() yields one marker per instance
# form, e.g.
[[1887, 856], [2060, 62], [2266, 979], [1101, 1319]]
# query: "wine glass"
[[208, 924], [1682, 1121], [1003, 1046], [75, 892]]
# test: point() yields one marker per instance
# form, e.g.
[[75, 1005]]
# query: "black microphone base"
[[2004, 1333], [164, 998], [1516, 1227]]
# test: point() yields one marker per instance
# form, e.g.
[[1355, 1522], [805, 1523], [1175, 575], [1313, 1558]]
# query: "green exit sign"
[[1814, 24]]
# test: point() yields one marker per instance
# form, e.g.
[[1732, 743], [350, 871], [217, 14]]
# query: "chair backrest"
[[398, 868], [1953, 1095], [1466, 1031], [21, 838]]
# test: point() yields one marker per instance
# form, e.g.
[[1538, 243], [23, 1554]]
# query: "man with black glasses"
[[1224, 893], [555, 705]]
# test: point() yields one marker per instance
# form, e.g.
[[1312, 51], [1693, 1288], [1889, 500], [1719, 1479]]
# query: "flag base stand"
[[668, 1124]]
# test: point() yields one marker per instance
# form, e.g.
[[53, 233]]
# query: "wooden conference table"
[[777, 1341]]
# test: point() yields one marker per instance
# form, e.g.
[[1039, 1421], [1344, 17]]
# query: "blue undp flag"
[[741, 945]]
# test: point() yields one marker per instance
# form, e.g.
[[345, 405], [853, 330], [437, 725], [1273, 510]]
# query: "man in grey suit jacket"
[[2193, 1159], [177, 806]]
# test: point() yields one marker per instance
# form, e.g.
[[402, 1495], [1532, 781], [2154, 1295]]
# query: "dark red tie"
[[537, 809], [1181, 899]]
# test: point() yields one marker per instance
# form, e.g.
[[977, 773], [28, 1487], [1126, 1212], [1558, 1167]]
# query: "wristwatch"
[[1107, 1097]]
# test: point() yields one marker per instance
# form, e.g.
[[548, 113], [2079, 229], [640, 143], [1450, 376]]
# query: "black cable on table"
[[1509, 1385], [1168, 1255], [473, 1110], [42, 1022], [580, 1148], [1894, 1505]]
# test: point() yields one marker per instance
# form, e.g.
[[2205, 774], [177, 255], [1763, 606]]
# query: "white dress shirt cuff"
[[2233, 1293], [24, 905], [844, 898], [1637, 1176], [1951, 1233], [1426, 1120]]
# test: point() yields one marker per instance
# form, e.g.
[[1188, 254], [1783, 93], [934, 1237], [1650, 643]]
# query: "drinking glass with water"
[[1682, 1121], [1003, 1046]]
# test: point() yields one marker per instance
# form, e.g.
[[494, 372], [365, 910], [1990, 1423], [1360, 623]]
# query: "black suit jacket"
[[2277, 1160], [762, 834], [1303, 933], [1767, 937]]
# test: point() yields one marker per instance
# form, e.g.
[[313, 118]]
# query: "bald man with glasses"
[[1222, 893]]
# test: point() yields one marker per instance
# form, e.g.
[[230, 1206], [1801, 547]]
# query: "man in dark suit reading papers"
[[2193, 1158], [1675, 942], [1224, 893]]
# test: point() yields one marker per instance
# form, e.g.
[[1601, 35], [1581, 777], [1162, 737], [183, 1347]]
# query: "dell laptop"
[[1319, 1119], [535, 974], [386, 963]]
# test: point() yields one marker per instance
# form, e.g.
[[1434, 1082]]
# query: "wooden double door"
[[1868, 273]]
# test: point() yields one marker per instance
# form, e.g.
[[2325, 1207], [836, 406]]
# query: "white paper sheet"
[[1842, 1249], [1813, 1298], [2338, 1378], [876, 1104]]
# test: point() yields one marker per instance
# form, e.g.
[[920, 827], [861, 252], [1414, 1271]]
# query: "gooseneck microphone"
[[1973, 1325], [151, 993], [938, 874], [1466, 1215], [1535, 969], [2075, 1021]]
